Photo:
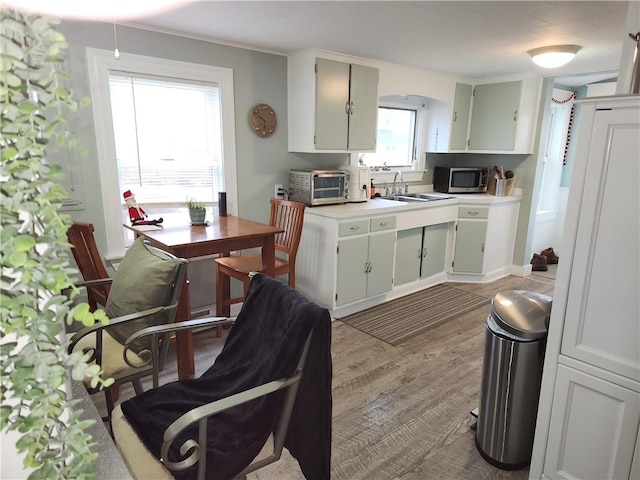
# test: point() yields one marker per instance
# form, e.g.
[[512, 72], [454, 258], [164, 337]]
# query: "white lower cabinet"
[[594, 428], [420, 252], [471, 234], [365, 262], [485, 239]]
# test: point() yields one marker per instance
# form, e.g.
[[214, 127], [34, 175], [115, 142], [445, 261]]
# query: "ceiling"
[[471, 39]]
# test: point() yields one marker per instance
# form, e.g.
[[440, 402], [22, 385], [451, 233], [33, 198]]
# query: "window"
[[170, 150], [552, 162], [165, 131], [396, 143]]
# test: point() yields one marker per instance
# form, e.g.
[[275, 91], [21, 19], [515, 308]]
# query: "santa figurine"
[[136, 213]]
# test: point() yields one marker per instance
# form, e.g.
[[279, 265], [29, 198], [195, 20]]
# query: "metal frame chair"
[[193, 451], [128, 365]]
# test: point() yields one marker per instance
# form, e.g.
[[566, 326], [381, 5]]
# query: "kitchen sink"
[[417, 197]]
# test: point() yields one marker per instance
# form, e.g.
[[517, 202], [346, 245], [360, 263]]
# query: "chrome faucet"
[[393, 188]]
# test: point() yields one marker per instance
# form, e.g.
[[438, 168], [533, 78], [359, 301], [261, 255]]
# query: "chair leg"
[[223, 287], [292, 276], [108, 396], [137, 386]]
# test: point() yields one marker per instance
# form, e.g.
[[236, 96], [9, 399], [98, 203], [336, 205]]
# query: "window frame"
[[415, 172], [100, 63], [416, 135]]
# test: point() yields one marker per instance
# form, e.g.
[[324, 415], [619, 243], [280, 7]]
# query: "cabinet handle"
[[367, 267], [346, 107], [515, 115], [455, 116], [424, 252], [482, 247], [353, 229], [383, 224], [473, 213], [420, 252], [351, 108]]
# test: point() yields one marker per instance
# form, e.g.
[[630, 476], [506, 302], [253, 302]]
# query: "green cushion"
[[143, 280]]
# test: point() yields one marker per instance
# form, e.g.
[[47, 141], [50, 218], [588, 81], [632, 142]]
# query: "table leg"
[[269, 256], [184, 338], [223, 291]]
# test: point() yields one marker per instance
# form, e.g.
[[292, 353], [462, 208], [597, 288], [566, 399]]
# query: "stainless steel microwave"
[[460, 179], [319, 187]]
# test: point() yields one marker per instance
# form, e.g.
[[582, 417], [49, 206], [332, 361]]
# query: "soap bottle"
[[372, 190]]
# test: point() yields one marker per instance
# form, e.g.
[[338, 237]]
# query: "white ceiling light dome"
[[95, 10], [554, 56]]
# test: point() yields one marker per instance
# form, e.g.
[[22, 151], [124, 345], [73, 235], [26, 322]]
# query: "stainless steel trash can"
[[515, 340]]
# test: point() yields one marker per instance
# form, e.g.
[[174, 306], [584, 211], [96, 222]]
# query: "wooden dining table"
[[221, 236]]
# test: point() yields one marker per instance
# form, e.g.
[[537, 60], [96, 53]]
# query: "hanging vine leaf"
[[34, 363]]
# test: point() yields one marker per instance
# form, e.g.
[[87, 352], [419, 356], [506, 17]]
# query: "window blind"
[[168, 137]]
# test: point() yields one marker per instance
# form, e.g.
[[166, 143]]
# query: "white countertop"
[[381, 206]]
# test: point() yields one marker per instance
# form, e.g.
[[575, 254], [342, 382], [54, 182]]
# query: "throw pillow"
[[143, 280]]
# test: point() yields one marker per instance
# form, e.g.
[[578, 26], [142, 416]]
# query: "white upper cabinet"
[[460, 120], [486, 118], [332, 105], [495, 116]]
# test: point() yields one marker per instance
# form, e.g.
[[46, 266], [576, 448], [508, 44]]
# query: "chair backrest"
[[289, 216], [85, 252]]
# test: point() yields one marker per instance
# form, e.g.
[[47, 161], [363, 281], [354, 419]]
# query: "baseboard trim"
[[521, 271]]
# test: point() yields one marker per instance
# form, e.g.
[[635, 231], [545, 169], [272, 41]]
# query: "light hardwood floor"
[[402, 412]]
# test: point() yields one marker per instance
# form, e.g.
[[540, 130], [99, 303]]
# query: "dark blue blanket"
[[264, 344]]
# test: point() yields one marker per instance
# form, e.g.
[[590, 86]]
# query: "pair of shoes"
[[552, 258], [539, 263]]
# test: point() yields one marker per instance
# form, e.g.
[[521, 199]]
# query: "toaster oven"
[[318, 187]]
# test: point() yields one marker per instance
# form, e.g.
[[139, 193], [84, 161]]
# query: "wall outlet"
[[279, 191]]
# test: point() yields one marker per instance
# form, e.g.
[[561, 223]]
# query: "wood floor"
[[402, 412]]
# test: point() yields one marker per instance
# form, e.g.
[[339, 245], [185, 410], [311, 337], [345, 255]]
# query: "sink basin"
[[417, 197], [407, 198], [433, 197]]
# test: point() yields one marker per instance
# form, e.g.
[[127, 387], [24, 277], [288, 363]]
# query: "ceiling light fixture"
[[554, 56], [94, 10]]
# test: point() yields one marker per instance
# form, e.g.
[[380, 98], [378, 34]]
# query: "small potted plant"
[[197, 211]]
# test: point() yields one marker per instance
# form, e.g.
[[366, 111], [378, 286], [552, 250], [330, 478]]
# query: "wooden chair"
[[89, 261], [285, 214]]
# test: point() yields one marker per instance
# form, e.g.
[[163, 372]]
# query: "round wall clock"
[[263, 120]]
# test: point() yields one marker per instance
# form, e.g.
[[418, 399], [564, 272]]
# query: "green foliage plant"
[[35, 367], [193, 204]]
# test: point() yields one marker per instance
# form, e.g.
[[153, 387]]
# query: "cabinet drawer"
[[355, 227], [473, 212], [383, 223]]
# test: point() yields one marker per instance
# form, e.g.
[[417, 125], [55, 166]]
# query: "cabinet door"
[[494, 117], [381, 253], [352, 269], [594, 424], [332, 102], [469, 249], [363, 112], [434, 248], [408, 255], [601, 320], [460, 121]]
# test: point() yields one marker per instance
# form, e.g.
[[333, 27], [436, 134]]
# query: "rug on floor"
[[401, 319]]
